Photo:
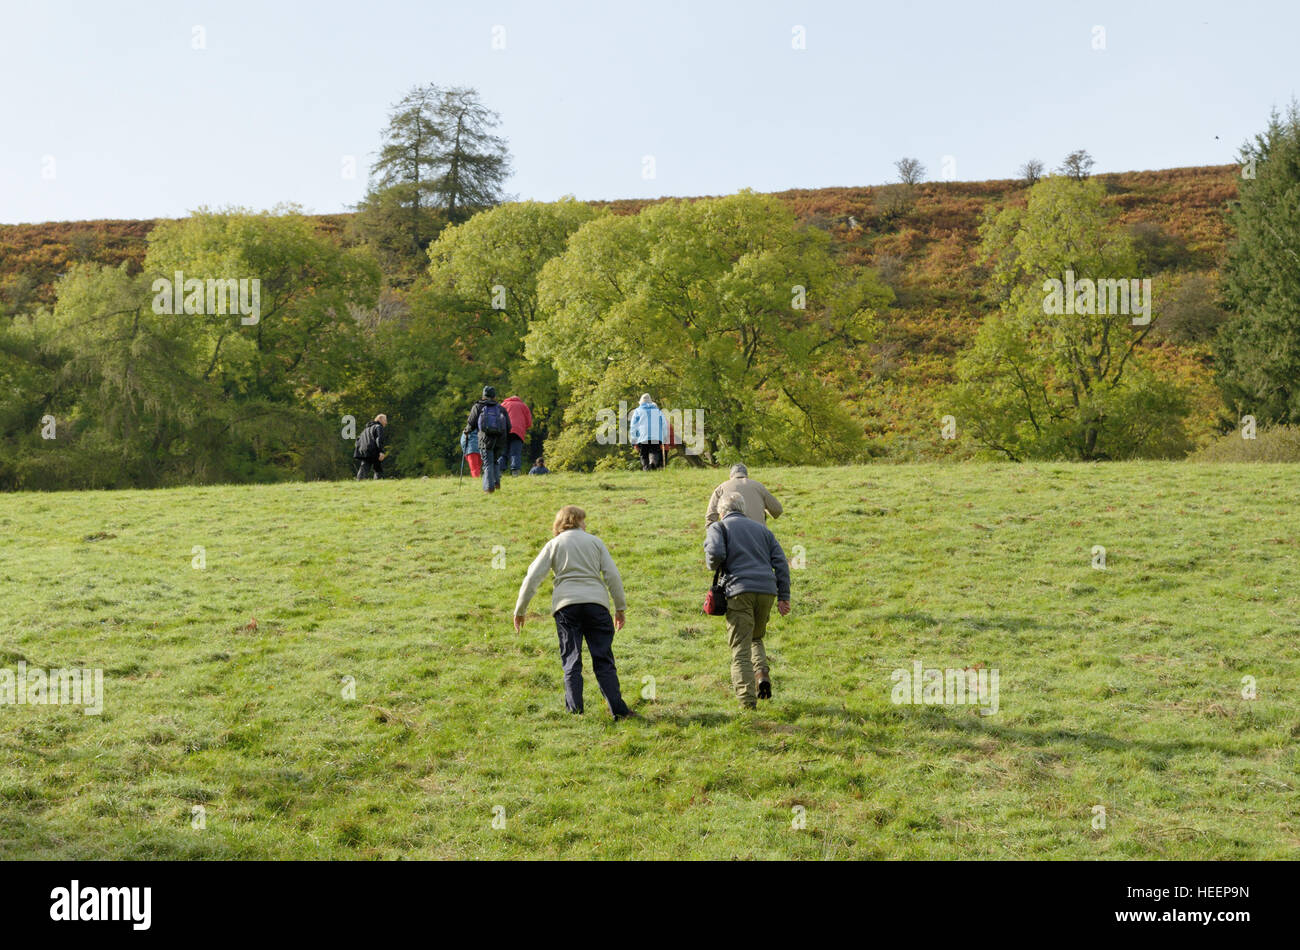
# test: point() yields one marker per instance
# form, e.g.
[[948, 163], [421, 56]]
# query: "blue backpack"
[[492, 420]]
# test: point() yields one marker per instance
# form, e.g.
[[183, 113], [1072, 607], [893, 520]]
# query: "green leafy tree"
[[724, 305], [31, 392], [237, 383], [285, 379], [124, 396], [1257, 351], [396, 227], [468, 322], [1040, 382]]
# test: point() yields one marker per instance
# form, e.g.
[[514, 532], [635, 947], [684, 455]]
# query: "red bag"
[[715, 601]]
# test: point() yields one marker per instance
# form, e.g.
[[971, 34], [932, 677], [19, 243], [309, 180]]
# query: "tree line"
[[731, 305]]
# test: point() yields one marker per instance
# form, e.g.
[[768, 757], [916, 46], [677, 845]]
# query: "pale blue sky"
[[139, 124]]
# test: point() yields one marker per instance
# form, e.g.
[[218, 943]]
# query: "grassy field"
[[1120, 688]]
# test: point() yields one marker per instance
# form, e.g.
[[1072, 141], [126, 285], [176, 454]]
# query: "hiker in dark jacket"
[[755, 575], [493, 426], [369, 450]]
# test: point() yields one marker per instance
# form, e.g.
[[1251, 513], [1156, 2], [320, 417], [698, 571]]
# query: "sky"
[[152, 109]]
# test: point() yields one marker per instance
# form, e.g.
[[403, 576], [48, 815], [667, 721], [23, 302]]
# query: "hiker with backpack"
[[648, 430], [521, 420], [369, 449], [492, 423], [753, 574], [585, 578]]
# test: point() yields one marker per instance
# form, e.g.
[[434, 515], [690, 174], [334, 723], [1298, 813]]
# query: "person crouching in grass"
[[585, 577]]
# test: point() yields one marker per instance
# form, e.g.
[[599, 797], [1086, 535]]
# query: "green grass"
[[1120, 688]]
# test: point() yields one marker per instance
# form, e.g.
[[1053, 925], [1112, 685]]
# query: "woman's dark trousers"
[[592, 622]]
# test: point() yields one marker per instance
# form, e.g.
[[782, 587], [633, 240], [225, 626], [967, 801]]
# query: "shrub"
[[1158, 249], [1275, 444], [1192, 314]]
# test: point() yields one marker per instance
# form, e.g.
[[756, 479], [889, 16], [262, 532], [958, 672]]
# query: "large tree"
[[440, 162], [305, 338], [127, 394], [1049, 381], [142, 392], [403, 177], [1258, 349], [724, 305], [259, 394], [473, 162]]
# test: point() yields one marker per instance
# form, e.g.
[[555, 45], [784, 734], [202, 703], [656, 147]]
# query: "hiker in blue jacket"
[[648, 430], [493, 426]]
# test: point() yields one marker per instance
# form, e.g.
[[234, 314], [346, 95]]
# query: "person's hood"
[[648, 405], [512, 399]]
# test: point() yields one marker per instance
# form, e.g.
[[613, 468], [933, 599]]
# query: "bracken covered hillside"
[[925, 245]]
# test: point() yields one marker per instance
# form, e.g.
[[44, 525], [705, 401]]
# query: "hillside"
[[226, 688], [927, 251]]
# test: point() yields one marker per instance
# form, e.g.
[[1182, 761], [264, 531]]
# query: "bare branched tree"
[[910, 171], [1077, 165], [1031, 171]]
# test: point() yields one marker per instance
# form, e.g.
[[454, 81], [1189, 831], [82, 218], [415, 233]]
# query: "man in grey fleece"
[[759, 502], [755, 574]]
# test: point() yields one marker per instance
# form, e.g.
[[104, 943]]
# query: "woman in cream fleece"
[[585, 577]]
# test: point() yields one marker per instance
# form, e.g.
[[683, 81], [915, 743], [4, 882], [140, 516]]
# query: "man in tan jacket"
[[759, 502]]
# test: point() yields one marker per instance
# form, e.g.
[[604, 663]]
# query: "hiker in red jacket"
[[521, 420]]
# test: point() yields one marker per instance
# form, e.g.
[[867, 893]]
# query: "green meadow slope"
[[1119, 688]]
